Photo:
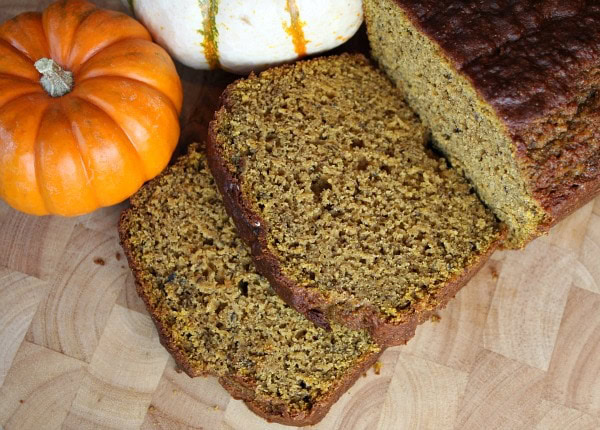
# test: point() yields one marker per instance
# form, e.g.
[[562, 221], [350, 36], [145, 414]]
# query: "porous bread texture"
[[217, 316], [352, 217], [509, 91], [463, 126]]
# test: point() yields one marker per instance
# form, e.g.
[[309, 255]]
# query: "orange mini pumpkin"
[[89, 109]]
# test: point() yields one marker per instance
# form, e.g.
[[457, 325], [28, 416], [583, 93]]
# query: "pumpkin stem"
[[55, 80]]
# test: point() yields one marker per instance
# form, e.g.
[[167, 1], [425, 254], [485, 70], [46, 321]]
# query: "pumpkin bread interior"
[[509, 91], [215, 314], [463, 127], [354, 203]]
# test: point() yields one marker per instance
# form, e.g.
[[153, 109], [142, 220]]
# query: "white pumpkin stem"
[[55, 80]]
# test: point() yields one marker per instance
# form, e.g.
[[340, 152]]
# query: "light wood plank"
[[528, 303], [32, 245], [105, 220], [5, 210], [88, 281], [239, 417], [181, 402], [20, 296], [129, 298], [499, 255], [559, 417], [39, 389], [422, 395], [501, 394], [574, 375], [586, 273], [124, 372], [457, 338], [361, 407], [570, 233]]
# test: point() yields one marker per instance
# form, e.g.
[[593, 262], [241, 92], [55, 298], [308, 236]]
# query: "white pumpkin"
[[244, 35]]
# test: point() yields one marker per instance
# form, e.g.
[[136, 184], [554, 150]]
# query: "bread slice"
[[216, 316], [510, 93], [350, 216]]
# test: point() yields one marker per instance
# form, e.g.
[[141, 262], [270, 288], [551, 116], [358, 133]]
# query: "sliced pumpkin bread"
[[352, 218], [509, 90], [218, 317]]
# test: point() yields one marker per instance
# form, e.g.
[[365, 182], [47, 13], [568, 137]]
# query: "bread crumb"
[[99, 261], [494, 273], [377, 367], [118, 256], [435, 318]]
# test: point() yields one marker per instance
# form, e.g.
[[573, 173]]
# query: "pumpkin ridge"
[[154, 80], [62, 7], [39, 181], [18, 78], [17, 98], [20, 26], [7, 109], [72, 41], [129, 141], [126, 78], [78, 67], [89, 175], [17, 52], [37, 90], [109, 14]]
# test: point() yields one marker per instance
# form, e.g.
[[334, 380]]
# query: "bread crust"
[[239, 388], [493, 42], [311, 303], [277, 412], [528, 61]]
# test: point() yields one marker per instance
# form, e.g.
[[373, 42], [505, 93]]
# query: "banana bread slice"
[[350, 216], [509, 90], [216, 316]]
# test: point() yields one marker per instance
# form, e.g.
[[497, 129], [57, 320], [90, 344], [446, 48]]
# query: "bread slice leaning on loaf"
[[350, 216], [510, 93], [216, 316]]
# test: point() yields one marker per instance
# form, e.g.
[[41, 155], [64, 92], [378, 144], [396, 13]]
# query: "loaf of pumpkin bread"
[[352, 218], [218, 317], [509, 90]]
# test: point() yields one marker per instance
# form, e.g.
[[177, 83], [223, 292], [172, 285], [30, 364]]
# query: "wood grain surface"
[[519, 348]]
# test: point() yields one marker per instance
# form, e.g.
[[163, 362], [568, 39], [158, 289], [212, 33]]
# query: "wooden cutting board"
[[519, 348]]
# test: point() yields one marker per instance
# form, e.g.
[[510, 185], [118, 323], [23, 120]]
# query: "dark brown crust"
[[528, 61], [241, 389], [525, 58], [310, 302], [564, 205], [277, 412]]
